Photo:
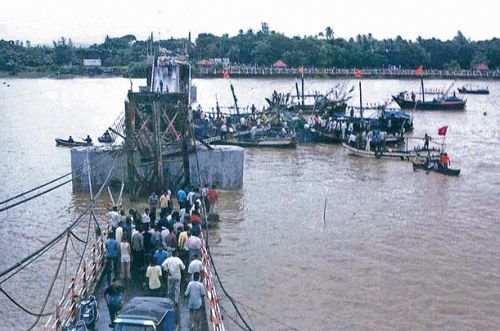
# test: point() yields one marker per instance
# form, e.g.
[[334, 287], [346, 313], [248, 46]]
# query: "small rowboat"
[[264, 143], [439, 170], [66, 143]]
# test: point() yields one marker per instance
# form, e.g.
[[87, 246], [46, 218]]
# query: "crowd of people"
[[159, 249], [209, 124]]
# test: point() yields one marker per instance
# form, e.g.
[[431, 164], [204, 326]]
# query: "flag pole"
[[360, 100], [303, 98]]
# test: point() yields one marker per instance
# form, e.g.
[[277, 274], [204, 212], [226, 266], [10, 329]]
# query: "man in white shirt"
[[154, 273], [119, 233], [164, 233], [145, 218], [195, 266], [173, 265], [193, 243], [182, 214], [189, 198], [196, 291], [114, 217]]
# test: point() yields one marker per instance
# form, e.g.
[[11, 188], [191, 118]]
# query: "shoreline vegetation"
[[255, 54]]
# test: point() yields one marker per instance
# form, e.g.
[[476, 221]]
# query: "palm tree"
[[329, 33]]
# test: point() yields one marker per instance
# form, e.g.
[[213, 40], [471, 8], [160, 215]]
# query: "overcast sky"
[[86, 22]]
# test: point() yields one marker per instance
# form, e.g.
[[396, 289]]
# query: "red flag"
[[226, 74], [301, 70], [357, 73], [442, 131], [419, 70]]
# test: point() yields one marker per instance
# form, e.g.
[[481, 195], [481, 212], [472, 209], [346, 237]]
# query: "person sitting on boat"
[[445, 160], [350, 128], [88, 140], [70, 139], [330, 125], [413, 96], [253, 132], [106, 136], [223, 131], [243, 123], [351, 140], [317, 121]]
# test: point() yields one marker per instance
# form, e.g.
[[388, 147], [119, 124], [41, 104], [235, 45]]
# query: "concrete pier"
[[222, 166], [100, 159]]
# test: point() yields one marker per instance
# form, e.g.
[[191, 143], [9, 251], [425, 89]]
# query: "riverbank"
[[36, 74]]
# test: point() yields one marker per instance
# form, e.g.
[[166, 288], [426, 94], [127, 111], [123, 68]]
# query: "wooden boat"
[[439, 170], [327, 138], [66, 143], [449, 103], [441, 102], [466, 90], [261, 143], [394, 154]]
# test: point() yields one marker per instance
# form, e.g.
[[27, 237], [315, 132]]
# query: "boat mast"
[[422, 86], [303, 98], [360, 101], [235, 100], [298, 93]]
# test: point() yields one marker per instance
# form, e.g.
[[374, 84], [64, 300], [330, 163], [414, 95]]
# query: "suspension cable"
[[51, 287], [65, 231], [35, 196], [53, 188], [34, 189]]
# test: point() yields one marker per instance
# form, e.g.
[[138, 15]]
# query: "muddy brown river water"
[[397, 250]]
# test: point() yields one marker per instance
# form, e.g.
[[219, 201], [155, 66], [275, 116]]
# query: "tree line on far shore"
[[126, 56]]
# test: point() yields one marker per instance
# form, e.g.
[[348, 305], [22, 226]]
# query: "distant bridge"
[[255, 71]]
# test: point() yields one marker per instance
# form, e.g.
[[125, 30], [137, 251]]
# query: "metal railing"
[[79, 287], [215, 320], [242, 71]]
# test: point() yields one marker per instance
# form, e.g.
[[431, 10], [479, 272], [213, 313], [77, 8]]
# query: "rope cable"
[[51, 287], [34, 189], [81, 173], [35, 196], [65, 231], [232, 318]]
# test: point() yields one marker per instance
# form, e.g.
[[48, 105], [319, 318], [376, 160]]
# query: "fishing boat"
[[330, 103], [470, 90], [394, 154], [441, 101], [438, 169], [67, 143], [326, 137], [260, 143]]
